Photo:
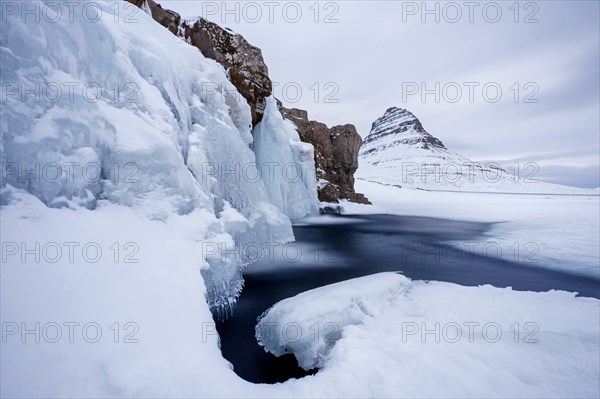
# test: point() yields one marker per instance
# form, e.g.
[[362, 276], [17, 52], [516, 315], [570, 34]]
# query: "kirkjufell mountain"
[[402, 127], [399, 151]]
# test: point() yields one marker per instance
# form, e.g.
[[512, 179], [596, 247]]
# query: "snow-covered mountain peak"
[[399, 127], [399, 115], [399, 151]]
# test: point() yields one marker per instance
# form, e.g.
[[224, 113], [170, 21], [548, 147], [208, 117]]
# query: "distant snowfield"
[[399, 152], [556, 231], [457, 174]]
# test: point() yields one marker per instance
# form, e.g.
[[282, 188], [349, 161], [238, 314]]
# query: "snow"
[[556, 231], [146, 8], [560, 229], [417, 339], [122, 199], [177, 352], [162, 297]]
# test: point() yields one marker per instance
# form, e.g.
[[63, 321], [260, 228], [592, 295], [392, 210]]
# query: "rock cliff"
[[244, 63], [336, 148], [336, 155]]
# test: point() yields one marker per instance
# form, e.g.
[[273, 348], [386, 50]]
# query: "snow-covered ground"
[[145, 295], [87, 270], [556, 231]]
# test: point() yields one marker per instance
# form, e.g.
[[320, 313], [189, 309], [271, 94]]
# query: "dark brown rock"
[[244, 63], [336, 149], [167, 18], [336, 155]]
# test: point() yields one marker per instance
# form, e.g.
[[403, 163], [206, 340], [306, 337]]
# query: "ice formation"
[[116, 108], [286, 164]]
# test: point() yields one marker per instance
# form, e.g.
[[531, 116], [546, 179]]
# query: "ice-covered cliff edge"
[[335, 150], [116, 109]]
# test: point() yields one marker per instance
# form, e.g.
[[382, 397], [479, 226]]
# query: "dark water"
[[361, 245]]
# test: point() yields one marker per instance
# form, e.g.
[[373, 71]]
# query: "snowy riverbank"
[[557, 231]]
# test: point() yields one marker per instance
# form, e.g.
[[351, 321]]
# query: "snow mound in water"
[[446, 340], [310, 323]]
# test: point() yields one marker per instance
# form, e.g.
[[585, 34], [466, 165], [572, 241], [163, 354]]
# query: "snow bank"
[[123, 268], [330, 308], [442, 170], [417, 339]]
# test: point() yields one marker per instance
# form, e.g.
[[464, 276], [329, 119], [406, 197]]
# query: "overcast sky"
[[366, 56]]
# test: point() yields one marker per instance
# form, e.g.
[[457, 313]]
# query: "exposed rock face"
[[336, 155], [336, 149], [244, 63], [167, 18]]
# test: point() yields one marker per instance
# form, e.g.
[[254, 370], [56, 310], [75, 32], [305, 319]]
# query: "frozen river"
[[345, 247]]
